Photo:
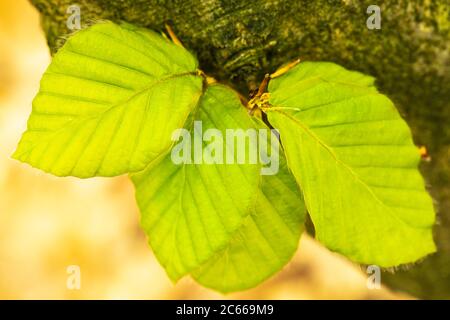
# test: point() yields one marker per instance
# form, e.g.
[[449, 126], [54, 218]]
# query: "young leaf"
[[266, 240], [108, 102], [190, 211], [356, 163]]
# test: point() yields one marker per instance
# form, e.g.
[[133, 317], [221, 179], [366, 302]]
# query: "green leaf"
[[190, 211], [109, 102], [356, 164], [266, 240]]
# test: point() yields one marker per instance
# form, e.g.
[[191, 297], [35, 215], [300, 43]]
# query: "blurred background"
[[48, 224]]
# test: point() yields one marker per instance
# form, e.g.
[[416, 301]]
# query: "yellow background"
[[49, 223]]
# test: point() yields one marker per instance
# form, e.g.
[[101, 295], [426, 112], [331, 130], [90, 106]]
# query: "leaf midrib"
[[51, 134], [344, 165]]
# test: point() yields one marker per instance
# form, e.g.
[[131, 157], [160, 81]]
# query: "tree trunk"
[[237, 41]]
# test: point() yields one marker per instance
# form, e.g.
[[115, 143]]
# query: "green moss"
[[240, 40]]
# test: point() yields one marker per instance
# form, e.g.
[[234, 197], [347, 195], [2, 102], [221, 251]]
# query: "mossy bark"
[[237, 41]]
